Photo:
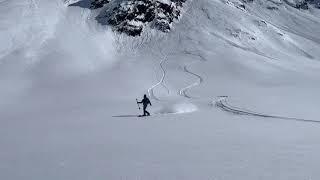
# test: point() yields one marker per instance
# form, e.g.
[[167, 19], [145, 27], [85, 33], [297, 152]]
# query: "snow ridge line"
[[223, 104], [247, 49], [287, 29], [164, 73]]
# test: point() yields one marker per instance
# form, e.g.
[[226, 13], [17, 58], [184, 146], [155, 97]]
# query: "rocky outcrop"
[[132, 16], [95, 4]]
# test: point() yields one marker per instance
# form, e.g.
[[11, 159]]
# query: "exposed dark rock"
[[95, 4], [272, 8], [302, 5], [315, 3], [242, 6], [132, 16], [247, 1]]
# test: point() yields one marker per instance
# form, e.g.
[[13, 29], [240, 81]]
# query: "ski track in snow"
[[223, 104], [183, 91], [151, 90]]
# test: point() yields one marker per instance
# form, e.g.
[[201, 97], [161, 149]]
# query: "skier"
[[145, 102]]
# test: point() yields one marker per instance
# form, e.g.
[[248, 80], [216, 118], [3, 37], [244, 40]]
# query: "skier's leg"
[[144, 110]]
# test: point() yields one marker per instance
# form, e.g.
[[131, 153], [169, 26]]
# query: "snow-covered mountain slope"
[[69, 83]]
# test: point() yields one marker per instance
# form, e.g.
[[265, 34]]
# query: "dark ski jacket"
[[145, 102]]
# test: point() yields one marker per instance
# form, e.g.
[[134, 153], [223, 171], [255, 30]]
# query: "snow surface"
[[68, 87]]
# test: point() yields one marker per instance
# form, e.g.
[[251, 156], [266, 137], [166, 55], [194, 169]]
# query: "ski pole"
[[138, 103]]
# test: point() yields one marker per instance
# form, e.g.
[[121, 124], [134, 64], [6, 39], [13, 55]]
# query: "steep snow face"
[[44, 39]]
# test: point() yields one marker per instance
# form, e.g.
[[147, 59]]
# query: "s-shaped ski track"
[[183, 91], [151, 90]]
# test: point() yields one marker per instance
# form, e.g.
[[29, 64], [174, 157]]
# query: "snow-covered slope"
[[69, 82]]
